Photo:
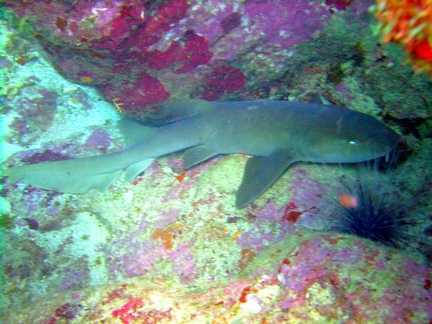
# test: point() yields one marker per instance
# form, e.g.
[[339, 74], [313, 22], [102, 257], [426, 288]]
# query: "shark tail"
[[67, 181], [78, 176], [74, 176]]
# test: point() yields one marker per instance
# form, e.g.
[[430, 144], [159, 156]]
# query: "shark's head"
[[353, 137]]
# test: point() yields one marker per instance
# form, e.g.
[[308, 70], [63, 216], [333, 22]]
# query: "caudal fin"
[[81, 175], [70, 176]]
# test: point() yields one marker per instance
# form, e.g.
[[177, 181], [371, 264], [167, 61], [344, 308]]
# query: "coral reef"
[[169, 246], [408, 23], [142, 52], [310, 281]]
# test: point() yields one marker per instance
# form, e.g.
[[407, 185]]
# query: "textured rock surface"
[[322, 279], [146, 53], [170, 246]]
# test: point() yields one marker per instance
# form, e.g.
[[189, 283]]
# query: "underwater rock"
[[321, 279], [132, 50], [170, 246]]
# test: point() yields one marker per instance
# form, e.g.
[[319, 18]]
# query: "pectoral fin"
[[260, 174]]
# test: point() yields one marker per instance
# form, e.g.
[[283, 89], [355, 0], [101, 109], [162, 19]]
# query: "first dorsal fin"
[[134, 132], [175, 110]]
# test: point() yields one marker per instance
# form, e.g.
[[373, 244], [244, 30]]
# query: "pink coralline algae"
[[145, 52], [40, 107], [136, 260], [259, 237], [68, 311], [32, 223], [230, 22], [311, 265], [321, 279], [85, 40], [183, 264], [167, 216], [98, 140], [44, 156]]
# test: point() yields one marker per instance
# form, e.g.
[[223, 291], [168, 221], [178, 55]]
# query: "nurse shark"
[[276, 134]]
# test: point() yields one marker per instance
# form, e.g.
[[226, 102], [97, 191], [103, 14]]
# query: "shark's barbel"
[[276, 133]]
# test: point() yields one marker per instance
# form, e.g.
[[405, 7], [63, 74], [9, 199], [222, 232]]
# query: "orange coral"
[[86, 79], [408, 22], [165, 235], [247, 256]]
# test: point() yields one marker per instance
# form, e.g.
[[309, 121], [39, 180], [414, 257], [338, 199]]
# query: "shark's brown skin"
[[276, 133]]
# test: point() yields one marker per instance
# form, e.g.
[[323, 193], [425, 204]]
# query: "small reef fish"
[[275, 133], [348, 201]]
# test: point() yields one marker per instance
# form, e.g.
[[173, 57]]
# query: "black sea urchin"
[[369, 206]]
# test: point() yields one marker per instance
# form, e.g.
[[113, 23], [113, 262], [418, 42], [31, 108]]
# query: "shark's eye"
[[352, 142]]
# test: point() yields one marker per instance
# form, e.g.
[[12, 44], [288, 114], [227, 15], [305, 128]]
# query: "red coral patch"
[[230, 22], [223, 79], [168, 13], [158, 60], [427, 284], [181, 59], [422, 50], [339, 4], [291, 214], [147, 90], [128, 312], [195, 52]]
